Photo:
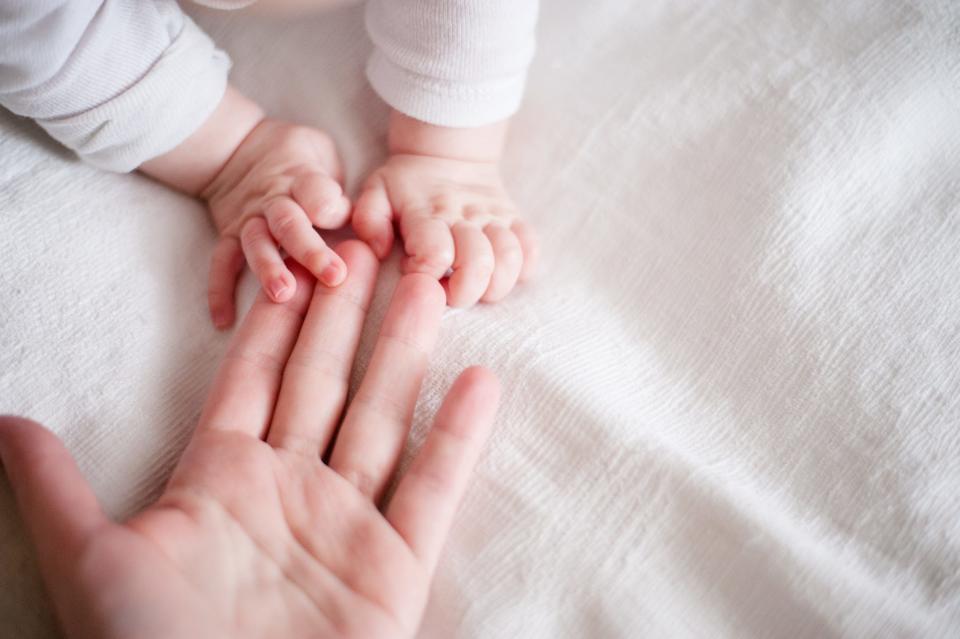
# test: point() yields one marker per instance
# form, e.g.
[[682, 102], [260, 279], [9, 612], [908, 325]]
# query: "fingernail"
[[331, 274], [277, 288], [220, 319]]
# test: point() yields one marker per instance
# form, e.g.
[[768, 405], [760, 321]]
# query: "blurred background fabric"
[[732, 397]]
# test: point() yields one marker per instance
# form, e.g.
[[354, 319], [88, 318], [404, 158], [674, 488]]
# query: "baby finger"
[[322, 199], [472, 267], [429, 244], [531, 248], [290, 226], [261, 251], [509, 260], [225, 266]]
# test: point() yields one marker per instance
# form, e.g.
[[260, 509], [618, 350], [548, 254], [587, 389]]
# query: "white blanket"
[[732, 401]]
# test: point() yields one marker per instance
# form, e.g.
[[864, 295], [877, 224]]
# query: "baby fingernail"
[[277, 288]]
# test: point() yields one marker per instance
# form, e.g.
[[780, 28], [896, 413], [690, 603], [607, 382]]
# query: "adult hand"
[[255, 536]]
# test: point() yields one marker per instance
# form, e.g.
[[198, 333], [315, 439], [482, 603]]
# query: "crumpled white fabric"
[[732, 399]]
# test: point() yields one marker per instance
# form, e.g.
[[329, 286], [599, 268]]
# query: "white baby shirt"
[[123, 81]]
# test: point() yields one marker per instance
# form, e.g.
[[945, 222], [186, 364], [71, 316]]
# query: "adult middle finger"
[[378, 420], [317, 374]]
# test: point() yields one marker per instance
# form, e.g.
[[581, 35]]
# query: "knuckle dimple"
[[472, 212], [441, 202]]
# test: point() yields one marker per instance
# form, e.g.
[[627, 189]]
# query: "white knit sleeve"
[[117, 81], [457, 63]]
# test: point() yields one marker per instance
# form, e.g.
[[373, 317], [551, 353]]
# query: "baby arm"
[[128, 85], [454, 74], [267, 185]]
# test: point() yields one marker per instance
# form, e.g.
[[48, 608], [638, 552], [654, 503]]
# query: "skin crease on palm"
[[255, 535], [270, 185]]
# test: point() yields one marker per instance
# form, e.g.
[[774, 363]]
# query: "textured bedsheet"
[[732, 399]]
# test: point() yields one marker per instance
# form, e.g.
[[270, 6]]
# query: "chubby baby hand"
[[453, 213], [282, 181]]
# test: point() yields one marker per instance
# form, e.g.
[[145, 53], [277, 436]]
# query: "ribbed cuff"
[[175, 97], [444, 103]]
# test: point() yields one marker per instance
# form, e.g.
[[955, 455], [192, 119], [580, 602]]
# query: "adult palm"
[[255, 534]]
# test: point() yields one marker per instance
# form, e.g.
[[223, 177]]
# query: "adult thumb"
[[58, 507]]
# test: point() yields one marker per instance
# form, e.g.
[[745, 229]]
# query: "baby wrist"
[[193, 164], [474, 144]]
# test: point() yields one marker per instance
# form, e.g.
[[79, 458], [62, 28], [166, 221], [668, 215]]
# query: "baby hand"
[[452, 211], [281, 182]]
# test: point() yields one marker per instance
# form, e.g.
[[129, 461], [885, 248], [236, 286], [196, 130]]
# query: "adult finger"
[[472, 267], [317, 374], [508, 258], [225, 267], [289, 225], [261, 251], [57, 505], [377, 422], [423, 507], [245, 388]]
